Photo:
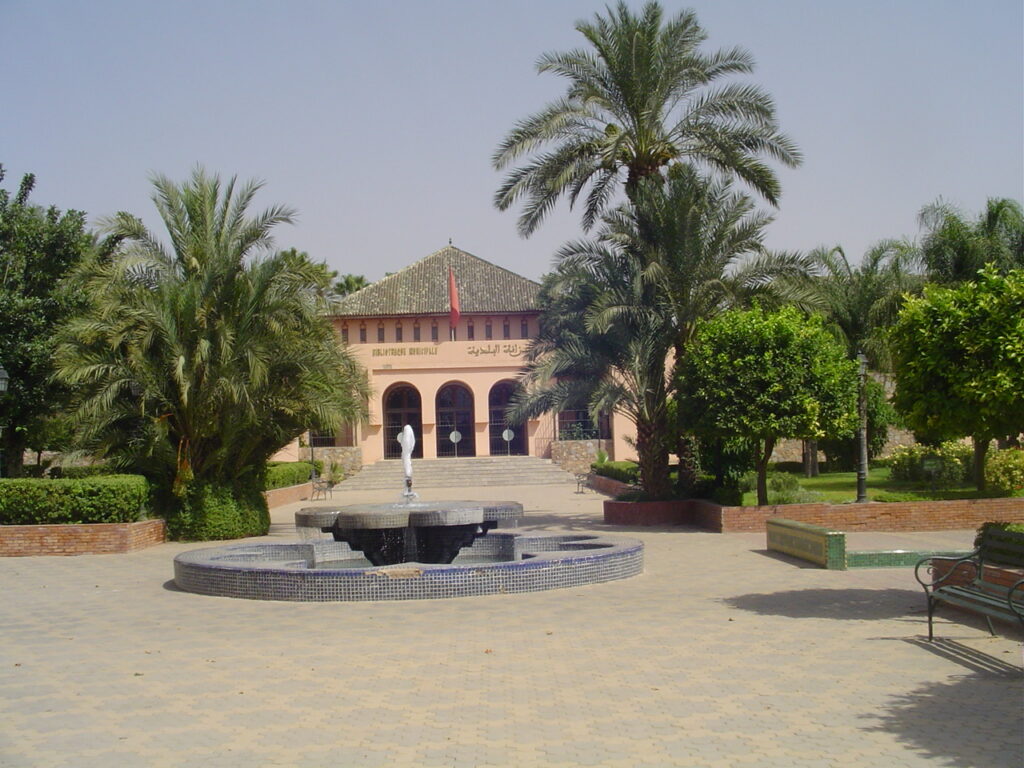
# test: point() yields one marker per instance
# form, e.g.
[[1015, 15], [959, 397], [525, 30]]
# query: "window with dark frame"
[[487, 330], [344, 334], [398, 333], [380, 334], [362, 334], [524, 329], [469, 332], [433, 332], [416, 332], [506, 330]]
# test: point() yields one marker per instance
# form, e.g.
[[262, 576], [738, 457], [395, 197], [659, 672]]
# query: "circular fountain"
[[407, 550]]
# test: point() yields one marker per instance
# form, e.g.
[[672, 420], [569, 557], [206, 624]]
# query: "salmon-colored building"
[[443, 341]]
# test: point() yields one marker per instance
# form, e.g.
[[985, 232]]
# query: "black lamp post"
[[4, 379], [862, 430]]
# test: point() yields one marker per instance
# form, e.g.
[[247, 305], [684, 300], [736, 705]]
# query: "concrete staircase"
[[459, 472]]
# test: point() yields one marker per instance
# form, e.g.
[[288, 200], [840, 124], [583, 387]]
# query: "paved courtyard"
[[719, 655]]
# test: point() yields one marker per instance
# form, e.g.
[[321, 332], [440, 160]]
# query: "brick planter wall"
[[872, 516], [1003, 576], [876, 516], [278, 497], [646, 512], [90, 539]]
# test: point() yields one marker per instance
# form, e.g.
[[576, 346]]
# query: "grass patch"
[[841, 487]]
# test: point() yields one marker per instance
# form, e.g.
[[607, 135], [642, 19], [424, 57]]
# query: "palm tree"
[[954, 248], [699, 244], [349, 283], [579, 360], [194, 364], [640, 99], [860, 302]]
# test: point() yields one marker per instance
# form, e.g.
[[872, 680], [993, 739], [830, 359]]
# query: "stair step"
[[456, 472]]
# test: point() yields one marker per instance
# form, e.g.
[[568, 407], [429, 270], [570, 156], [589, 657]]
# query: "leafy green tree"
[[842, 453], [640, 97], [38, 247], [588, 357], [767, 376], [959, 361], [195, 363], [955, 248]]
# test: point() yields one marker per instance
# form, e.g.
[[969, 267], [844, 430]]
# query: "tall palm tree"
[[641, 98], [195, 363], [955, 248], [699, 244], [580, 361]]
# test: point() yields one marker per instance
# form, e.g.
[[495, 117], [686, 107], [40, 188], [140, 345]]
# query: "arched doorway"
[[455, 413], [497, 402], [402, 406]]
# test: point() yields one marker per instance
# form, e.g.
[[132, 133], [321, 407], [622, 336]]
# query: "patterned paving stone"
[[716, 656]]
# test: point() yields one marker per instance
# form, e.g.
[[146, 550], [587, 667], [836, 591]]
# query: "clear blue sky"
[[377, 120]]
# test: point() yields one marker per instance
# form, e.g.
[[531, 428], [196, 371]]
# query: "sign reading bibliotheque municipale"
[[402, 351], [511, 350]]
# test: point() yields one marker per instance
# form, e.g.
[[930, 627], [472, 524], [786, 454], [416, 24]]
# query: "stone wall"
[[349, 459], [576, 456]]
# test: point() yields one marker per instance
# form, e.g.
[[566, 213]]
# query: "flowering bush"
[[943, 467], [1004, 472]]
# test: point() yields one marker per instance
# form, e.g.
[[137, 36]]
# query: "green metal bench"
[[997, 548]]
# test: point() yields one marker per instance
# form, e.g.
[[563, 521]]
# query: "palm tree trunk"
[[652, 457]]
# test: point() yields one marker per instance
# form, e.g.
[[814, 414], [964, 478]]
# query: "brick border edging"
[[81, 539]]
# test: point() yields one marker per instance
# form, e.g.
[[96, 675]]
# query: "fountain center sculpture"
[[410, 531]]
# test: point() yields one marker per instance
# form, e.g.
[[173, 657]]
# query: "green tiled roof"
[[422, 289]]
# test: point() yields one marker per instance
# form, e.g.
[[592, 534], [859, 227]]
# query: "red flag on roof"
[[453, 298]]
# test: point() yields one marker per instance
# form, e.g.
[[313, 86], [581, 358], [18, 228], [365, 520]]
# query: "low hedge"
[[281, 475], [107, 499], [623, 471], [90, 470]]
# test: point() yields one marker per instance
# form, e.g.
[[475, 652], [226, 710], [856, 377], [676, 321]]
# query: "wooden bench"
[[964, 584]]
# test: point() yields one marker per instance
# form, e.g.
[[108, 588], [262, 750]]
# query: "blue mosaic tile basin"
[[316, 571]]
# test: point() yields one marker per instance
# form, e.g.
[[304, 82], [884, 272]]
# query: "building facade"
[[442, 342]]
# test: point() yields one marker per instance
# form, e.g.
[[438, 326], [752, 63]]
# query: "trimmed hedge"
[[211, 512], [108, 499], [281, 475], [78, 473], [623, 471]]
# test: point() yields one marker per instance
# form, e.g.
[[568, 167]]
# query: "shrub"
[[727, 496], [783, 488], [623, 471], [283, 474], [1007, 559], [109, 499], [1004, 472], [943, 466], [212, 511]]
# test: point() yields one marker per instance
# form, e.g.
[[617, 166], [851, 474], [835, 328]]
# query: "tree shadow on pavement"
[[972, 720], [848, 604]]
